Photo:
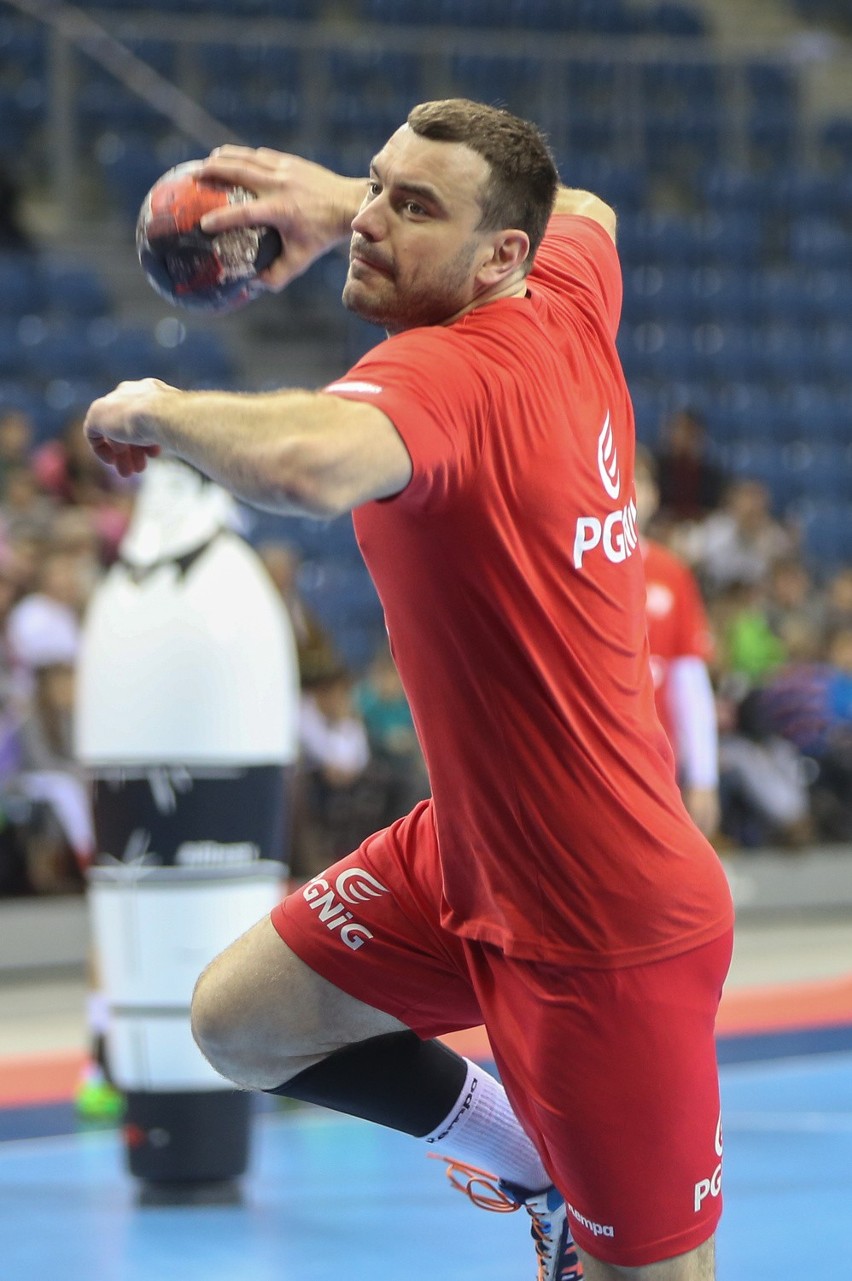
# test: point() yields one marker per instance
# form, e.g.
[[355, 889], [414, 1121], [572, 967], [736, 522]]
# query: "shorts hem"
[[645, 1255]]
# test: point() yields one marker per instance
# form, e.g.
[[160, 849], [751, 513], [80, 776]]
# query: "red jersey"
[[677, 621], [514, 596]]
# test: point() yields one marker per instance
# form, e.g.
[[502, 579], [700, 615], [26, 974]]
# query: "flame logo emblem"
[[608, 460], [358, 886]]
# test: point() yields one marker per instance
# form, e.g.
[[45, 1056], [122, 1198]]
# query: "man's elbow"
[[586, 205]]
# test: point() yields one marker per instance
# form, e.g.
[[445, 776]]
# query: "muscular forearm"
[[288, 451], [570, 200]]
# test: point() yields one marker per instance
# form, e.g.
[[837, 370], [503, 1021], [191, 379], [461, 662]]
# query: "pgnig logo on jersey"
[[711, 1186], [353, 886]]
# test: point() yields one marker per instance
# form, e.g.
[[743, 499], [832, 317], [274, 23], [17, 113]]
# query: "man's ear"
[[509, 251]]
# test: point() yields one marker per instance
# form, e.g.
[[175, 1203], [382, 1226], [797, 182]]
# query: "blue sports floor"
[[330, 1199]]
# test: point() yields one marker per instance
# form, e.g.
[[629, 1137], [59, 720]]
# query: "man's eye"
[[374, 187], [412, 207]]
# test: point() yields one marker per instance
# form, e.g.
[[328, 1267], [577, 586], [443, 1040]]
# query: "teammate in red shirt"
[[554, 886], [681, 646]]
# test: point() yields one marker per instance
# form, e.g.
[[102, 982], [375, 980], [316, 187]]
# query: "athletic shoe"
[[554, 1246]]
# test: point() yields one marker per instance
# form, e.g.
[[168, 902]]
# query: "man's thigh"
[[613, 1074], [370, 925]]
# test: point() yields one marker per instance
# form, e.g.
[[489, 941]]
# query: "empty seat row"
[[725, 294]]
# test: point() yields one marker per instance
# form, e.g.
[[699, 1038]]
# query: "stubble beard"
[[409, 309]]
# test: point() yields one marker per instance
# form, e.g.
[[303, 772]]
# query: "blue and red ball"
[[189, 267]]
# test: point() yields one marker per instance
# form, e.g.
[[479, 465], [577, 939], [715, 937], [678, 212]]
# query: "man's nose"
[[369, 221]]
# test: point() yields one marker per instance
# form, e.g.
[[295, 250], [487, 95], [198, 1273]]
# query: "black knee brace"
[[396, 1080]]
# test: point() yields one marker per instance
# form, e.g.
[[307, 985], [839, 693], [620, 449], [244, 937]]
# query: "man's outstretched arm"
[[294, 452]]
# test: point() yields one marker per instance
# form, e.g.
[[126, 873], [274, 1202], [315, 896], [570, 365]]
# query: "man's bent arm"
[[288, 451], [569, 200]]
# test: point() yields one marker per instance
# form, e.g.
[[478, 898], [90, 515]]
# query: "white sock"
[[481, 1128]]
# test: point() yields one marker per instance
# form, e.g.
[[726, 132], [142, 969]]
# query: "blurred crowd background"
[[721, 133]]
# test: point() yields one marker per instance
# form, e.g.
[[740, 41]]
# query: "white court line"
[[784, 1064], [792, 1122]]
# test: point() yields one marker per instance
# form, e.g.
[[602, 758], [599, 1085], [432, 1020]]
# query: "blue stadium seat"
[[201, 358], [835, 351], [771, 136], [71, 290], [691, 136], [129, 171], [392, 11], [773, 84], [673, 86], [671, 19], [23, 49], [827, 536], [375, 71], [132, 353], [827, 295], [786, 353], [726, 352], [821, 242], [60, 353], [11, 361], [836, 143], [490, 78], [817, 415], [743, 190], [21, 287], [720, 293], [729, 238]]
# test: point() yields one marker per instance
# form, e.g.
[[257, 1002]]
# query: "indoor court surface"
[[329, 1198]]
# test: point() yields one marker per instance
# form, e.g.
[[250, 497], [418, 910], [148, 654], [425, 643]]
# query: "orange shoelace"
[[481, 1186]]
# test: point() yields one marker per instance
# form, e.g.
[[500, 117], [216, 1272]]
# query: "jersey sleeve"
[[578, 259], [694, 637], [437, 400]]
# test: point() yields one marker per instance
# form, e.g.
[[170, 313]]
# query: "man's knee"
[[241, 1014], [696, 1265]]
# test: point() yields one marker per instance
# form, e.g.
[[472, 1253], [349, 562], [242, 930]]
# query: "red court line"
[[816, 1004], [744, 1011], [40, 1078], [52, 1078]]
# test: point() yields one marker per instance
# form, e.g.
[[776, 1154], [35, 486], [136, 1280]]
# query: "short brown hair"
[[522, 187]]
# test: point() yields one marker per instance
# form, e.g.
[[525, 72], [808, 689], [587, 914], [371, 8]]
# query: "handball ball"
[[194, 270]]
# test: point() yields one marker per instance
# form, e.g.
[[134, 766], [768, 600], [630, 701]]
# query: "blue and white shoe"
[[554, 1246]]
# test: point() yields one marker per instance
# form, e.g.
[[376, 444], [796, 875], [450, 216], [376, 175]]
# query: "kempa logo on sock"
[[464, 1107]]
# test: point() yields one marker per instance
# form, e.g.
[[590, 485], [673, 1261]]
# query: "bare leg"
[[697, 1265], [260, 1015]]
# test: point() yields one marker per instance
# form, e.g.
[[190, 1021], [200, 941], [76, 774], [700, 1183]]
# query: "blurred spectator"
[[808, 702], [68, 470], [25, 512], [335, 802], [314, 646], [14, 877], [791, 596], [763, 777], [748, 645], [680, 643], [44, 627], [60, 837], [394, 747], [17, 432], [838, 600], [741, 542], [690, 483]]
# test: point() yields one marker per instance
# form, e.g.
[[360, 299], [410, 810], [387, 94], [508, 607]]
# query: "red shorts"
[[611, 1072]]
